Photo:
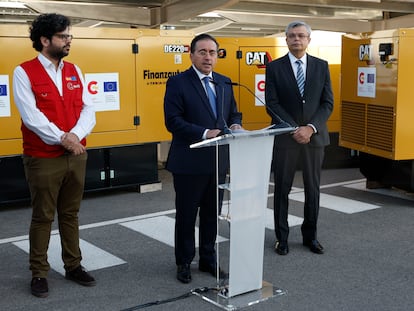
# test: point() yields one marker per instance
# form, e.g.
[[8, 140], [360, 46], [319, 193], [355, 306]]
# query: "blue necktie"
[[211, 95], [300, 77]]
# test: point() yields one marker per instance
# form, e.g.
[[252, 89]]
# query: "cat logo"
[[365, 52], [259, 59]]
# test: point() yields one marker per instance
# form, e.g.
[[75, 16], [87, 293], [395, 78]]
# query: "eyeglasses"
[[300, 36], [63, 36], [204, 53]]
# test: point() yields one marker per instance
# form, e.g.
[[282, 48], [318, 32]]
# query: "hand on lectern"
[[213, 133], [236, 127]]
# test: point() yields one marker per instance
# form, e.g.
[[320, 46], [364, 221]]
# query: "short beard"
[[58, 54]]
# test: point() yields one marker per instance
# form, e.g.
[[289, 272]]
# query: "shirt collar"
[[47, 63], [202, 75], [293, 59]]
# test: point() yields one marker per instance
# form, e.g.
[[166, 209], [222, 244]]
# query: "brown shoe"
[[39, 287], [80, 276]]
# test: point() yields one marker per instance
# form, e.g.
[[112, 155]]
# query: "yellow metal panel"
[[14, 50], [255, 116], [109, 51], [385, 75], [255, 53], [334, 122], [109, 56], [404, 133], [117, 138], [229, 65], [159, 57]]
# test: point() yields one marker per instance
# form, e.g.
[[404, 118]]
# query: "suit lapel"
[[310, 70]]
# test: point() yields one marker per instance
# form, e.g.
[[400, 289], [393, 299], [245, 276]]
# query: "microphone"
[[226, 129], [282, 123]]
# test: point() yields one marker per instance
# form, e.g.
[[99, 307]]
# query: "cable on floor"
[[160, 302]]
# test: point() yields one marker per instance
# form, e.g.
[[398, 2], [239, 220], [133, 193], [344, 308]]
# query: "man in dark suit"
[[298, 89], [198, 104]]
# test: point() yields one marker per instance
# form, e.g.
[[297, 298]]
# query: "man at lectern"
[[199, 104], [298, 89]]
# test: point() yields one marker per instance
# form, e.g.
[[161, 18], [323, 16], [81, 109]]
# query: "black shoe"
[[212, 269], [314, 246], [39, 287], [80, 276], [184, 273], [281, 248]]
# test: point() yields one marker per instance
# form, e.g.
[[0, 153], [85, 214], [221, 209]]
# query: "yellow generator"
[[377, 105], [125, 73]]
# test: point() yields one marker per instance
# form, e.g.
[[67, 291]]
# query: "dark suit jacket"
[[283, 97], [188, 114]]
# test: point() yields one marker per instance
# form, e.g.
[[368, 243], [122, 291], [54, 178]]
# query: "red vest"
[[63, 111]]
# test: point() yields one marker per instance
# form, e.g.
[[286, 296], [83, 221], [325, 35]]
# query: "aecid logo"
[[259, 59], [93, 87], [261, 85], [361, 78]]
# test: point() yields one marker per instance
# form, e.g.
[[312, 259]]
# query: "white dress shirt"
[[293, 60]]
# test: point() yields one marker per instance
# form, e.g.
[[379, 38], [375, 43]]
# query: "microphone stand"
[[226, 129], [282, 123]]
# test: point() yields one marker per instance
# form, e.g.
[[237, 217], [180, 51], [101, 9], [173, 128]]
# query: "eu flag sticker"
[[371, 78], [3, 90], [110, 86]]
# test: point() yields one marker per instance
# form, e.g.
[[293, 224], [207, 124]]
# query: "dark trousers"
[[56, 184], [285, 163], [195, 194]]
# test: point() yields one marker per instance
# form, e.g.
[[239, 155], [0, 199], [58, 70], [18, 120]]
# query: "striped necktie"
[[211, 96], [300, 77]]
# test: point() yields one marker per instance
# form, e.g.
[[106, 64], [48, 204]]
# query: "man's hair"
[[46, 25], [298, 24], [203, 36]]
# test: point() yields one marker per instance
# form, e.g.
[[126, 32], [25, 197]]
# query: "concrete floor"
[[126, 240]]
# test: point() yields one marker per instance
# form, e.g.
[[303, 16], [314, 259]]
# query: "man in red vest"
[[56, 116]]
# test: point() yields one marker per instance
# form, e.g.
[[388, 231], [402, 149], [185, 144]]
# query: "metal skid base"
[[219, 299]]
